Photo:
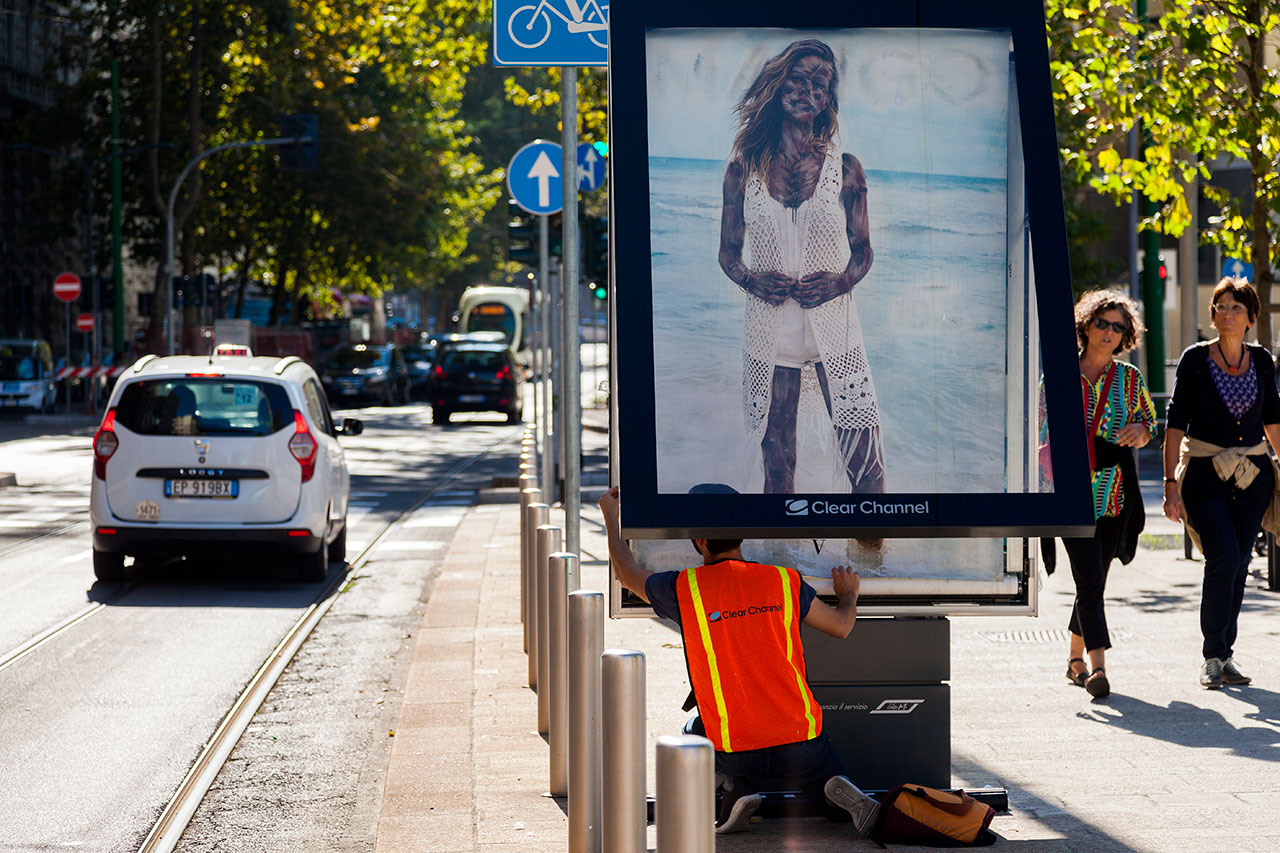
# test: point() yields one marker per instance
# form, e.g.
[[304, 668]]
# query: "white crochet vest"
[[810, 238]]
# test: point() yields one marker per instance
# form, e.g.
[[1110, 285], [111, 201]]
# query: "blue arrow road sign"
[[550, 32], [534, 177], [1237, 269], [590, 167]]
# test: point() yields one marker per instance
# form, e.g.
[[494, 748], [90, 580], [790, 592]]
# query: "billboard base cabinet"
[[884, 702]]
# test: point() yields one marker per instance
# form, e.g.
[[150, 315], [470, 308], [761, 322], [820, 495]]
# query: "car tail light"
[[438, 373], [303, 446], [105, 444], [106, 531], [504, 372]]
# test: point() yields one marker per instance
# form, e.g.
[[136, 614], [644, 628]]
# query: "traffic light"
[[522, 236], [595, 255], [301, 156]]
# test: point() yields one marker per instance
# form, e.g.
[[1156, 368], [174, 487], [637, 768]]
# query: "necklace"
[[1232, 369]]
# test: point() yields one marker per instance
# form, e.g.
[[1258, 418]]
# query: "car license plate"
[[201, 488], [9, 388], [470, 398], [349, 390]]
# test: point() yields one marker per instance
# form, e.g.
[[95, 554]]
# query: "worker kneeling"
[[741, 627]]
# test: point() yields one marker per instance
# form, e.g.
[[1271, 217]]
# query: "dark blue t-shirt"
[[661, 591]]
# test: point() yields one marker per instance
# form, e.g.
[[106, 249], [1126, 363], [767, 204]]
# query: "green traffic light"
[[602, 147]]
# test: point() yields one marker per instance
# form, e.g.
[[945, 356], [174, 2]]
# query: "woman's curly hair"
[[1094, 303]]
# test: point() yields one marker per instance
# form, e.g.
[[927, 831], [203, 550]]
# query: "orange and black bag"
[[916, 814]]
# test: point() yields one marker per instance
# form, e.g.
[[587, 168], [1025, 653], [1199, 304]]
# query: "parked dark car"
[[365, 371], [476, 376], [420, 359]]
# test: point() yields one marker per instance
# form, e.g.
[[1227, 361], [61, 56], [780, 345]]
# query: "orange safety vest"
[[741, 627]]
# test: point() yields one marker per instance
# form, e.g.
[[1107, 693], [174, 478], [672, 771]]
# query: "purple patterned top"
[[1238, 391]]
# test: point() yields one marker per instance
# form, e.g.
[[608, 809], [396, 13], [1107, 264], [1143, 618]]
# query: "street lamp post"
[[173, 198]]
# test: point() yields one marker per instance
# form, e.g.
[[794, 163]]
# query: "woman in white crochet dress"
[[800, 208]]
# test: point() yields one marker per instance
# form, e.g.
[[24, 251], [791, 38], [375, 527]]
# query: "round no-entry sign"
[[84, 323], [67, 287]]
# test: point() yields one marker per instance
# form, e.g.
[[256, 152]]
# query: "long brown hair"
[[760, 113]]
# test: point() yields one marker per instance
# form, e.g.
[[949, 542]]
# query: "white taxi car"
[[222, 454]]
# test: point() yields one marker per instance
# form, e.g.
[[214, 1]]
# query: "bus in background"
[[490, 308]]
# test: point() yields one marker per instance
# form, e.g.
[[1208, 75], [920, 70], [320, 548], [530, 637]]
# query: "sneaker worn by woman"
[[1211, 673], [1231, 673]]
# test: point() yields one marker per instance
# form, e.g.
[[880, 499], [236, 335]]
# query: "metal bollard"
[[537, 513], [622, 681], [548, 542], [529, 494], [685, 811], [562, 576], [586, 639]]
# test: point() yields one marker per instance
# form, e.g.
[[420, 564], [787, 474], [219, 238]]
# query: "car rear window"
[[483, 359], [204, 406], [343, 359]]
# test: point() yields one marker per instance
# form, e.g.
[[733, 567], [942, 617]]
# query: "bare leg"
[[858, 449], [779, 442]]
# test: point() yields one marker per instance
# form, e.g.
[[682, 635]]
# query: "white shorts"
[[796, 344]]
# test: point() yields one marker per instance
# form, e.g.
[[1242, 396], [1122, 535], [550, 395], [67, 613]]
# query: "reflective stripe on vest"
[[746, 663]]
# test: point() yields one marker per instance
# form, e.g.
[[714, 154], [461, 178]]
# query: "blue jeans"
[[1227, 519], [805, 766]]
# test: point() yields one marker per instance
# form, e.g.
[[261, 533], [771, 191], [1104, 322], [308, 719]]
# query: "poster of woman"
[[829, 254]]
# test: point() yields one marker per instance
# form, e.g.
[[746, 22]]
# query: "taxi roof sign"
[[232, 349]]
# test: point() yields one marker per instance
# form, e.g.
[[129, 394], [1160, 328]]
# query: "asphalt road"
[[99, 725]]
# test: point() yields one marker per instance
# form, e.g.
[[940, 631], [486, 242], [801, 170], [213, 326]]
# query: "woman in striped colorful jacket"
[[1119, 417]]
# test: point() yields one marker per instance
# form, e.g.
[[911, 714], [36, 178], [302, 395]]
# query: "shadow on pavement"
[[1188, 725]]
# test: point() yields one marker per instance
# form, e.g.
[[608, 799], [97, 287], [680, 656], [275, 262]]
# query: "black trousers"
[[1227, 519], [1091, 558]]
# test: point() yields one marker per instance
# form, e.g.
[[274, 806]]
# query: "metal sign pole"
[[67, 306], [572, 350], [540, 385]]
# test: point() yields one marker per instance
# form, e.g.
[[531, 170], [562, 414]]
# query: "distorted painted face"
[[807, 90]]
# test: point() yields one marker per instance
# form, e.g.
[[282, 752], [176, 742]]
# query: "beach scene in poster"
[[926, 113]]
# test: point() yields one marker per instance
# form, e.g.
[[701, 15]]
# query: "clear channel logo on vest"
[[798, 506]]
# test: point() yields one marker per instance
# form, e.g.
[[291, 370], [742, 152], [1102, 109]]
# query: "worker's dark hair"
[[719, 546]]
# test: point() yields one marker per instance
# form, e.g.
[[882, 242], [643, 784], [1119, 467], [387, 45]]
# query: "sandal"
[[1076, 678], [1097, 683]]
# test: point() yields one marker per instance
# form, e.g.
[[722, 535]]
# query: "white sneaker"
[[863, 809], [1211, 673]]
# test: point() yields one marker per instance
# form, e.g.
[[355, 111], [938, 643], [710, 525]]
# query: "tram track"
[[168, 829]]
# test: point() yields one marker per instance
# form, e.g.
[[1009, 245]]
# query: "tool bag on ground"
[[916, 814]]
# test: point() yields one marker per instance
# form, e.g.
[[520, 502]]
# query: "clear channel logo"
[[798, 506]]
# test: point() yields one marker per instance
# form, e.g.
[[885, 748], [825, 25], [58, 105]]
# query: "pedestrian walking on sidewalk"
[[1120, 418], [1218, 477], [741, 627]]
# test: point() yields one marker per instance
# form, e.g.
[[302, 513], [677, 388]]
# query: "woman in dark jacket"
[[1217, 474]]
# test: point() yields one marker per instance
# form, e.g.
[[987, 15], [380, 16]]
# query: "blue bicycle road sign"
[[551, 32], [590, 167], [533, 177]]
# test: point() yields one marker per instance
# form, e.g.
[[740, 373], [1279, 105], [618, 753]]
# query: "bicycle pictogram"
[[530, 26]]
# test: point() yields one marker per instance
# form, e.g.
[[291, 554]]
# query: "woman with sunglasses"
[[1218, 477], [1120, 417]]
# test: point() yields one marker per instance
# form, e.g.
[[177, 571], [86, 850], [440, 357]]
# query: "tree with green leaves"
[[1197, 83]]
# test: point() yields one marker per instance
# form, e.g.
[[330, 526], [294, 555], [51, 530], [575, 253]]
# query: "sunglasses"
[[1102, 325]]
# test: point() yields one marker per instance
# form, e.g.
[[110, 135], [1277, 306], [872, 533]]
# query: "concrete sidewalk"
[[1160, 765]]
